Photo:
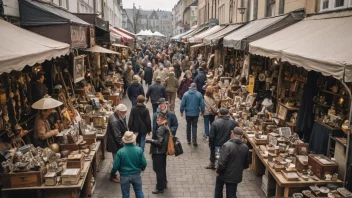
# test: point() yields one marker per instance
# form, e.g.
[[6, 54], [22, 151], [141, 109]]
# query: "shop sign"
[[91, 36], [78, 37]]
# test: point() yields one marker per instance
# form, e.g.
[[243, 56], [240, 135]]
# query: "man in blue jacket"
[[171, 117], [192, 103]]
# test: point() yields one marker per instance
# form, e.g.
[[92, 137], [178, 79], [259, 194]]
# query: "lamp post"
[[241, 10]]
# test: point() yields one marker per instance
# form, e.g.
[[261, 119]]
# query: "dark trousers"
[[231, 189], [192, 122], [155, 107], [159, 167]]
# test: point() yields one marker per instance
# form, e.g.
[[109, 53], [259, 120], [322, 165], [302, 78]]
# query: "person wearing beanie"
[[148, 74], [155, 92], [171, 86], [233, 159], [220, 132], [115, 131], [130, 161], [134, 90]]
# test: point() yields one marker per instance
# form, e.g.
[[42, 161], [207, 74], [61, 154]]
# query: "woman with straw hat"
[[42, 130]]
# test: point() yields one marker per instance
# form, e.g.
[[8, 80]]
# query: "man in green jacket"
[[130, 161]]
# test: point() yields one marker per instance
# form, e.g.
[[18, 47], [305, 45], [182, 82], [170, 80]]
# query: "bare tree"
[[136, 19]]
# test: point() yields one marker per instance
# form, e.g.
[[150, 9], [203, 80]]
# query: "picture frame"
[[282, 113], [78, 69]]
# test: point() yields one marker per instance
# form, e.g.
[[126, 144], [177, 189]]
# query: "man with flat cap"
[[171, 117], [220, 132], [234, 158]]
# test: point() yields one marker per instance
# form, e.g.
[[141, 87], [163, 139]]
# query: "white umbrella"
[[46, 103]]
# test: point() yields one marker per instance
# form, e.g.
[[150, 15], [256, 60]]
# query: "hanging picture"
[[78, 69], [282, 112]]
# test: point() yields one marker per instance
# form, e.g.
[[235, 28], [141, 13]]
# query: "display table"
[[103, 139], [82, 189], [259, 164]]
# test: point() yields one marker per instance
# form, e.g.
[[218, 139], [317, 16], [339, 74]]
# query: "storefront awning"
[[125, 37], [178, 37], [115, 37], [98, 49], [257, 29], [95, 20], [321, 43], [20, 47], [199, 30], [126, 32], [198, 38], [198, 45], [119, 45], [35, 13], [214, 39]]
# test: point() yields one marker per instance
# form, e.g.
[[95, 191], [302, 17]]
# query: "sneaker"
[[210, 166], [207, 139], [156, 191], [195, 143], [204, 136], [189, 143]]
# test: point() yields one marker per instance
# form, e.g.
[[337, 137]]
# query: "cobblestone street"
[[186, 174]]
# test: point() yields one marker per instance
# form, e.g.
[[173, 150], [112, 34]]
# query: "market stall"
[[295, 108]]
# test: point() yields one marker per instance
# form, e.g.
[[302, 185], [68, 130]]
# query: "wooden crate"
[[319, 169], [90, 138], [71, 176], [71, 147], [23, 179], [115, 99], [75, 161]]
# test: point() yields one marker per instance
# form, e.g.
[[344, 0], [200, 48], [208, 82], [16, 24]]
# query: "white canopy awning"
[[198, 45], [20, 47], [198, 38], [98, 49], [158, 34], [316, 43], [255, 30], [199, 30], [178, 37], [119, 45], [214, 38]]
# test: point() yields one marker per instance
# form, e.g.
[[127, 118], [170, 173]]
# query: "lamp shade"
[[46, 103]]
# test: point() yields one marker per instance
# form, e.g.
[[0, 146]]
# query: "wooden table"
[[82, 189], [103, 139], [259, 164]]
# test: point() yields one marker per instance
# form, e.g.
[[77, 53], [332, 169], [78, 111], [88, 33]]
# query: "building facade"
[[109, 10], [185, 15], [237, 11], [135, 20]]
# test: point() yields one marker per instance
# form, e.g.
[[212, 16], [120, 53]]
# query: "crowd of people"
[[169, 74]]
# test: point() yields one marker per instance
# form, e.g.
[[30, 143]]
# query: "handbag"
[[177, 146], [170, 145]]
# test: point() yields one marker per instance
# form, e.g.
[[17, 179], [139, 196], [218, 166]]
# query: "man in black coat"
[[220, 132], [234, 158], [134, 90], [158, 149], [155, 92], [139, 121], [148, 74], [115, 131], [200, 79]]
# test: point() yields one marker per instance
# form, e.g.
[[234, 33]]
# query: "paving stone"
[[186, 174]]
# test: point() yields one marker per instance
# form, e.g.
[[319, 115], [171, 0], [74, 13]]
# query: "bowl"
[[324, 190]]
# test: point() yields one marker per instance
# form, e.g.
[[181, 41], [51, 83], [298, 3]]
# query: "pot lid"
[[46, 103]]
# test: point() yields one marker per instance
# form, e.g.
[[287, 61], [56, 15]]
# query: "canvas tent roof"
[[257, 29], [20, 47], [214, 39], [321, 43], [98, 49], [198, 38], [199, 30], [178, 37]]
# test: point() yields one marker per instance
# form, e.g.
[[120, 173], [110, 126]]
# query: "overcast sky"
[[150, 4]]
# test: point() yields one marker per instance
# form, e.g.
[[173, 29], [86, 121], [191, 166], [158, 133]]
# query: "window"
[[326, 5], [339, 3], [251, 10], [231, 11], [282, 7], [270, 8]]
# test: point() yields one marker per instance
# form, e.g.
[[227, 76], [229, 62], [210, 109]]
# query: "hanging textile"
[[305, 117]]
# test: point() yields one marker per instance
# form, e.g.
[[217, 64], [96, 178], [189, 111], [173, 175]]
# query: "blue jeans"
[[134, 101], [155, 107], [141, 140], [231, 189], [136, 181], [192, 122], [208, 120]]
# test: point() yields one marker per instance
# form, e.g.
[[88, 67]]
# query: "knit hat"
[[121, 107], [129, 137], [223, 111]]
